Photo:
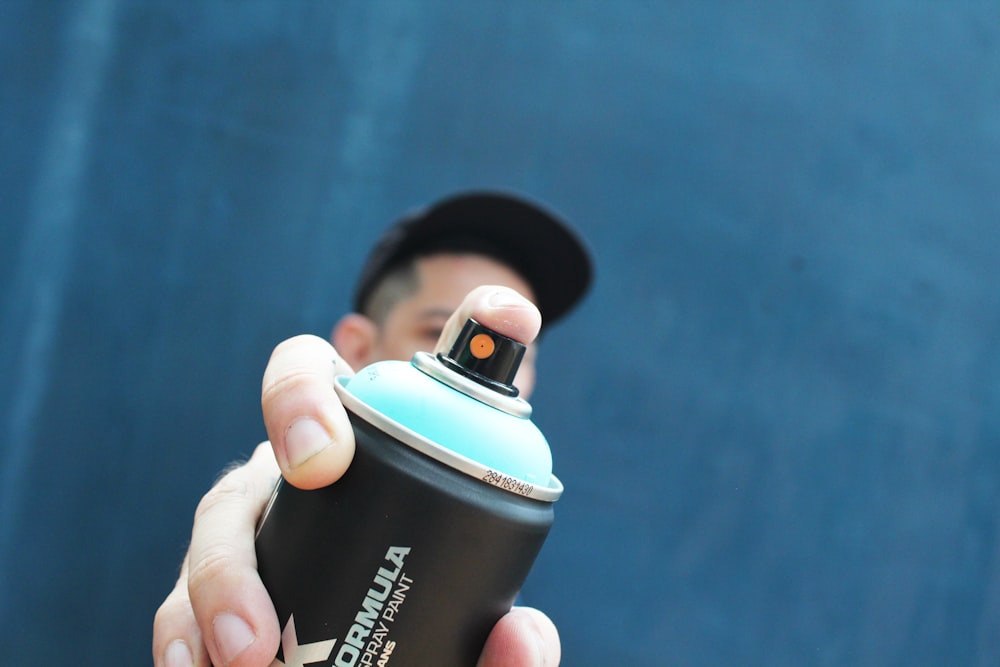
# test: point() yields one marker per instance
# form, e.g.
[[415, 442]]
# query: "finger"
[[233, 611], [308, 427], [525, 637], [506, 312], [502, 309], [176, 636]]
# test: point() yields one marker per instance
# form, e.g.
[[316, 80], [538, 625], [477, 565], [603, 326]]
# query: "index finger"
[[233, 611], [500, 308]]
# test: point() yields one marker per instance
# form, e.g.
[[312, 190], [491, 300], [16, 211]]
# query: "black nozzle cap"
[[485, 356]]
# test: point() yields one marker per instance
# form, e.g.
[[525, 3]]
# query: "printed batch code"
[[508, 483]]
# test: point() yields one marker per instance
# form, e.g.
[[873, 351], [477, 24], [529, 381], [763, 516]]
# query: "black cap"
[[532, 241], [489, 358]]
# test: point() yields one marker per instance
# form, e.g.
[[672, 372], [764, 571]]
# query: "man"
[[490, 256]]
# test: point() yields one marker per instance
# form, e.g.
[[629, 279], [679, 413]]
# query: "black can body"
[[403, 562]]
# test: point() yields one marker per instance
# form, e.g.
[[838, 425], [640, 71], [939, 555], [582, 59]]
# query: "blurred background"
[[776, 416]]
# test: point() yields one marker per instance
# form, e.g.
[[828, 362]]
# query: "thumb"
[[306, 423]]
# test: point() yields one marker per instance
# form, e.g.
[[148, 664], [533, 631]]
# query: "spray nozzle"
[[485, 356]]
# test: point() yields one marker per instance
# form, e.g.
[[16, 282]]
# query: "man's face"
[[415, 323]]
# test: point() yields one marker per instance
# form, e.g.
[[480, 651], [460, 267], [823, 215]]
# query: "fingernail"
[[505, 299], [304, 439], [232, 636], [540, 651], [538, 644], [178, 655]]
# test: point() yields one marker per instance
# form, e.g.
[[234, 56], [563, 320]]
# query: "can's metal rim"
[[463, 464], [432, 366]]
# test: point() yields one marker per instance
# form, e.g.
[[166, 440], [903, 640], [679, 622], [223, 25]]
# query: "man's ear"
[[355, 338]]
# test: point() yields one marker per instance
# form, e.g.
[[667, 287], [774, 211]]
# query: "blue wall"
[[777, 415]]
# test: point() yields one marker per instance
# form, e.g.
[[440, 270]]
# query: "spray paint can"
[[418, 550]]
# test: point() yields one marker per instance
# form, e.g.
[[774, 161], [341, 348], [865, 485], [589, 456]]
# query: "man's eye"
[[432, 334]]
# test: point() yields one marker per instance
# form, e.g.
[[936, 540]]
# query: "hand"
[[219, 612]]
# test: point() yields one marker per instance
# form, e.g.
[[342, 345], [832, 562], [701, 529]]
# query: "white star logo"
[[299, 656]]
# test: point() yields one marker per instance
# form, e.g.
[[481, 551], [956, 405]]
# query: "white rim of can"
[[414, 440]]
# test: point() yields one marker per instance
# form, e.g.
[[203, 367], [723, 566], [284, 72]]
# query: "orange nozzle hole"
[[481, 346]]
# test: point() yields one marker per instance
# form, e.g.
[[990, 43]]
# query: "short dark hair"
[[396, 284]]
